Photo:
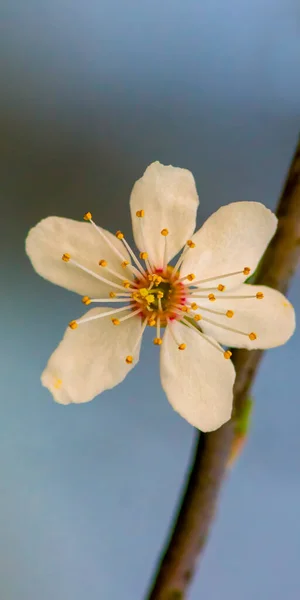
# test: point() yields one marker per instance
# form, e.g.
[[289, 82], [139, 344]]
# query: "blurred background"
[[91, 93]]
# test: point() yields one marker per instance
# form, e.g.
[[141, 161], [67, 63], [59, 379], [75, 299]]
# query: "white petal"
[[169, 198], [233, 238], [272, 318], [91, 358], [198, 381], [54, 236]]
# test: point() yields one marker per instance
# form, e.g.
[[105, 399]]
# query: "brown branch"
[[196, 511]]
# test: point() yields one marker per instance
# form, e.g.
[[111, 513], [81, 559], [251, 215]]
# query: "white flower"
[[199, 303]]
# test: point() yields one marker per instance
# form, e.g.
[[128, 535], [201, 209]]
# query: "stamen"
[[251, 336], [107, 313], [129, 358], [214, 344], [86, 300], [159, 303], [165, 233], [189, 244], [103, 263], [245, 271], [66, 257], [140, 214], [95, 275], [180, 346], [227, 354], [127, 299], [221, 287], [132, 314], [157, 341], [120, 236], [190, 277], [151, 321], [73, 324], [228, 313], [258, 296], [88, 217], [158, 327]]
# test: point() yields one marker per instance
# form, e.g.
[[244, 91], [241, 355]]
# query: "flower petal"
[[198, 381], [91, 358], [169, 198], [54, 236], [272, 318], [233, 238]]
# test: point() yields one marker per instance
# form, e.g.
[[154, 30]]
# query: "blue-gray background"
[[91, 93]]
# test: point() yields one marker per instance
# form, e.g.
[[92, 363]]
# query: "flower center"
[[161, 298]]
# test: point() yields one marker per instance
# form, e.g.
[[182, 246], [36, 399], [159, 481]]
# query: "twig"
[[208, 466]]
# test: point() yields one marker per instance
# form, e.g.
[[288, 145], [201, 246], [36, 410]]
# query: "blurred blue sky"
[[90, 94]]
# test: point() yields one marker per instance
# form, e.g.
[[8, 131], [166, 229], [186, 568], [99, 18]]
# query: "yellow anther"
[[151, 322], [57, 384], [119, 234], [191, 276], [197, 317], [73, 324], [150, 277], [140, 213], [126, 284], [211, 297], [229, 314], [86, 300], [246, 270], [182, 347], [252, 336], [143, 255], [87, 216], [157, 341], [160, 294], [115, 321], [164, 232], [191, 244], [124, 263], [157, 279], [129, 359], [150, 298], [259, 295], [103, 263], [144, 292], [185, 308], [227, 354], [194, 306], [66, 257], [221, 287], [112, 294]]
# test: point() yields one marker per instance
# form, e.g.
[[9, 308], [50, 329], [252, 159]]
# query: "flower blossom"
[[194, 307]]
